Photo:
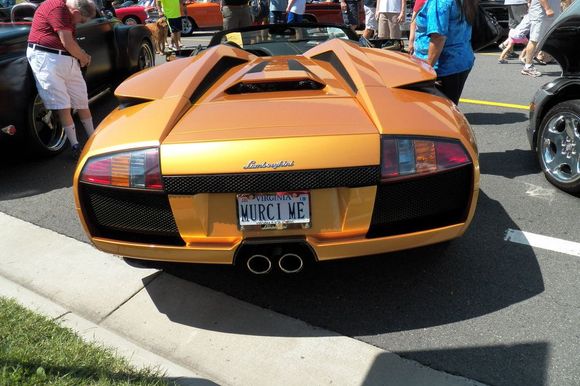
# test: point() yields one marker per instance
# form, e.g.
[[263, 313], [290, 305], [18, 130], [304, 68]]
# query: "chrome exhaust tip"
[[259, 264], [291, 263]]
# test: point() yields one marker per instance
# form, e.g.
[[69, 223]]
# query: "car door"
[[97, 38]]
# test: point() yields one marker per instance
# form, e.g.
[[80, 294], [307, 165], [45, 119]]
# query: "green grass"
[[37, 351]]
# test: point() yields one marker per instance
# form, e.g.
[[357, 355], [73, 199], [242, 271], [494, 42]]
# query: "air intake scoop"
[[277, 75]]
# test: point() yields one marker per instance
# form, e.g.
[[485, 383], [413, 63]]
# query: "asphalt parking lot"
[[491, 306]]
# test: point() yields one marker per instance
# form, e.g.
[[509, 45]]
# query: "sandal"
[[539, 61]]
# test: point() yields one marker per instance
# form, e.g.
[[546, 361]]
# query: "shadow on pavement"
[[527, 361], [23, 175], [509, 163], [499, 118], [402, 291]]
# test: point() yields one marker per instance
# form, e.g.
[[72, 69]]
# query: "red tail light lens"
[[407, 156], [137, 169]]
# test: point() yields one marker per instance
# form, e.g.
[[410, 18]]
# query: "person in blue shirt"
[[443, 39]]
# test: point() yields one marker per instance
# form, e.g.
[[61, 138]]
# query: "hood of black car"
[[563, 39]]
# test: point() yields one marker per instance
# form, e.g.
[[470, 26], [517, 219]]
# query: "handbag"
[[485, 30]]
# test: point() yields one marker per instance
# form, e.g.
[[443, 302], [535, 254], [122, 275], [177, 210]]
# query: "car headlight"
[[403, 157], [137, 169]]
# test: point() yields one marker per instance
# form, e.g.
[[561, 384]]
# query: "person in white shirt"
[[390, 14], [295, 10]]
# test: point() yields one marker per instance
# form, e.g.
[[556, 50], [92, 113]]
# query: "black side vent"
[[125, 102], [331, 58], [219, 69], [425, 87], [293, 85]]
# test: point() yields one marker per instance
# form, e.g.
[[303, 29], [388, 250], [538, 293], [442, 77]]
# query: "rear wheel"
[[559, 146], [146, 56], [131, 20], [188, 26], [45, 134]]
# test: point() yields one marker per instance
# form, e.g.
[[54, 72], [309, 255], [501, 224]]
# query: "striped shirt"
[[50, 17]]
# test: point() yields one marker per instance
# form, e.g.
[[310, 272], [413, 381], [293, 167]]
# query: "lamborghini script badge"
[[265, 165]]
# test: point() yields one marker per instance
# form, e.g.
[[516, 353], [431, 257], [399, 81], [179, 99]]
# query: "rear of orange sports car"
[[231, 158]]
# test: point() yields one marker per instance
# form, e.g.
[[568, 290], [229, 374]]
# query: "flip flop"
[[539, 61]]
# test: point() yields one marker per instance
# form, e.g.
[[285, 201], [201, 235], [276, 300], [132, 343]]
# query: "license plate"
[[274, 210]]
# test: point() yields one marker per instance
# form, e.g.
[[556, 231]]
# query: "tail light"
[[413, 156], [136, 169]]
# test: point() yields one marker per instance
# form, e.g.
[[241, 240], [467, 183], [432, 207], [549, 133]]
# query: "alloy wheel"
[[560, 147]]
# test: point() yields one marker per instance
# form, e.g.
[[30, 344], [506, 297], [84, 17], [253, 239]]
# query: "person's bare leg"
[[530, 49]]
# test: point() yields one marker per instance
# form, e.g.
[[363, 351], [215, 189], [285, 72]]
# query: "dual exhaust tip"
[[288, 263]]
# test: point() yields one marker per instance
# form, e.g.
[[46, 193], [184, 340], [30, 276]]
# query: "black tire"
[[45, 135], [131, 20], [558, 146], [146, 55], [188, 26]]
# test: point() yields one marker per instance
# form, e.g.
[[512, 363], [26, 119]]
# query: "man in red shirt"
[[56, 60]]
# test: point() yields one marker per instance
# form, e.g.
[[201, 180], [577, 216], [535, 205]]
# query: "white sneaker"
[[531, 71]]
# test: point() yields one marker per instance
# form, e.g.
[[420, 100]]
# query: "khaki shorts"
[[59, 80], [389, 27]]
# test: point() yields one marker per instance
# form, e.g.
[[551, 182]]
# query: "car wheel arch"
[[567, 92]]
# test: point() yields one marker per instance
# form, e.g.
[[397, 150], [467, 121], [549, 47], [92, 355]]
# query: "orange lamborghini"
[[278, 146]]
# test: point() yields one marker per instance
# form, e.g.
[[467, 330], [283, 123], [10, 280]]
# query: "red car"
[[135, 14]]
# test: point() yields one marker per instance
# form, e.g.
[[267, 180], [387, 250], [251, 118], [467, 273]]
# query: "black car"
[[554, 131], [499, 10], [116, 50]]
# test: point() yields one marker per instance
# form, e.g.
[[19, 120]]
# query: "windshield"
[[281, 39]]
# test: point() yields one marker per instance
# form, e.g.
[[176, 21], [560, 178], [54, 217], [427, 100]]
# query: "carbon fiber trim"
[[273, 181]]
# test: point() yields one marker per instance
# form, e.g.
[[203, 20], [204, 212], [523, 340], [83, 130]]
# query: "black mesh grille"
[[129, 215], [422, 203], [273, 181]]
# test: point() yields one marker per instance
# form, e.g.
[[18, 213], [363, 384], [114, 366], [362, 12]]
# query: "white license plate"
[[274, 209]]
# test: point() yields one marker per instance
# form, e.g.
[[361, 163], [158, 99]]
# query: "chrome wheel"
[[187, 26], [146, 56], [46, 133], [559, 148]]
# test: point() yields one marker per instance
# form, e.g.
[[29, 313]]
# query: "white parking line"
[[544, 242]]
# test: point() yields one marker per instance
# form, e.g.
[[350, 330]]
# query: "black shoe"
[[76, 151]]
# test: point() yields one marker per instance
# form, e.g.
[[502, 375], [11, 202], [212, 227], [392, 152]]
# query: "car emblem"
[[266, 165]]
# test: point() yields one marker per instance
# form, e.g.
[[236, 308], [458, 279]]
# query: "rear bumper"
[[324, 250]]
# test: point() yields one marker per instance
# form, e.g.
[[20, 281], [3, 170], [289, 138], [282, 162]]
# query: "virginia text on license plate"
[[274, 210]]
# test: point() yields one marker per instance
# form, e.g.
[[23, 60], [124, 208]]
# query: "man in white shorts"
[[56, 60], [542, 13], [370, 7]]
